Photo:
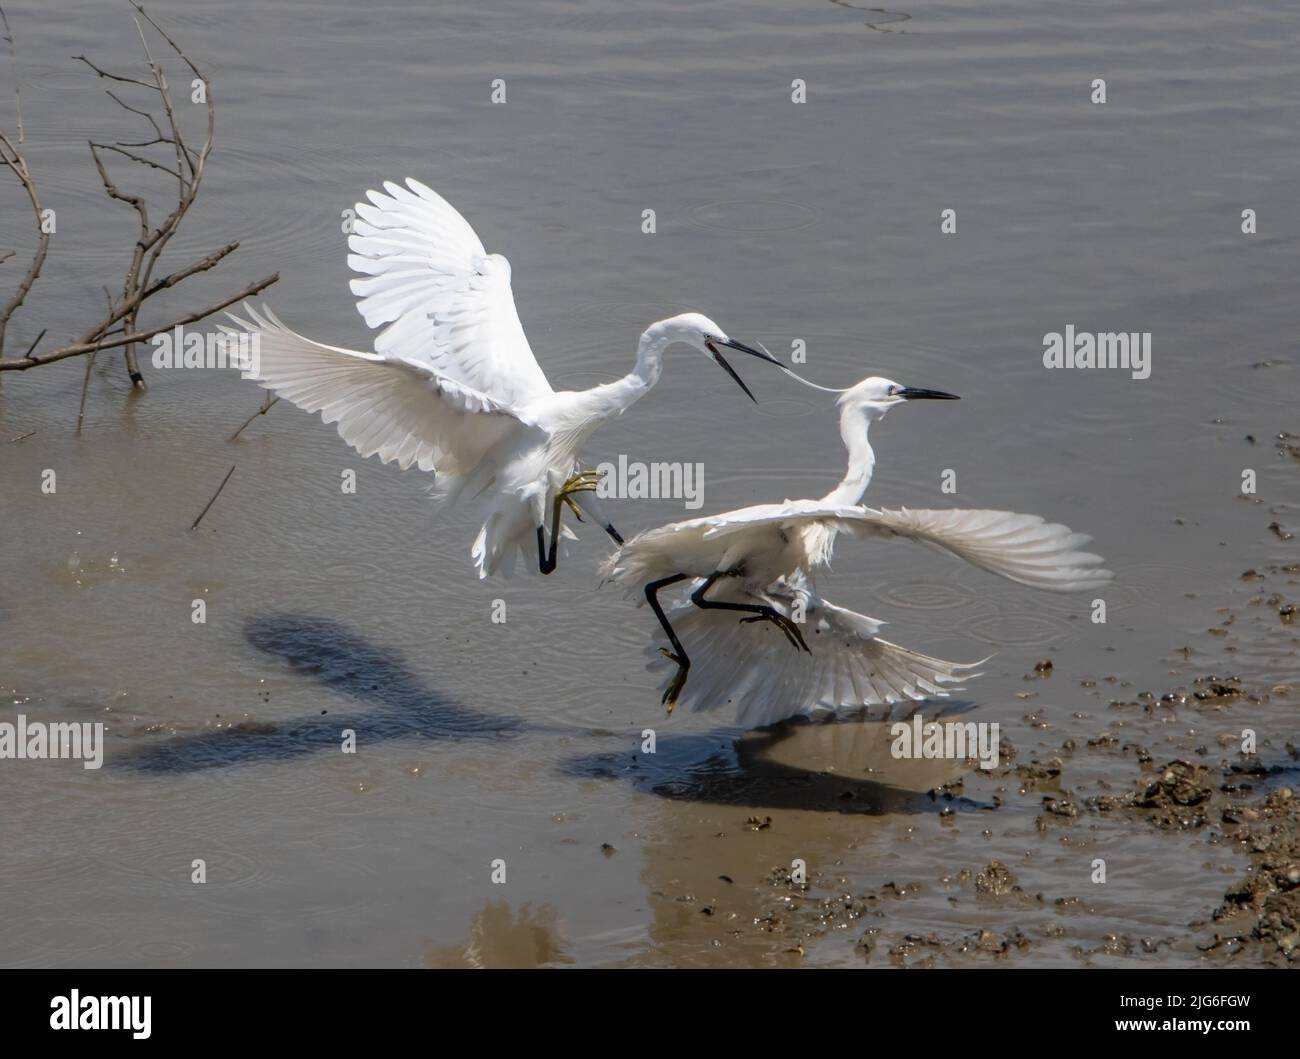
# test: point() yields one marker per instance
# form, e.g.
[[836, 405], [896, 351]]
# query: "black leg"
[[608, 527], [760, 613], [678, 653], [546, 560], [544, 563]]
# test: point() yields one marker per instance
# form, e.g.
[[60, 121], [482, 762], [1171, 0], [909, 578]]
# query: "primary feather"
[[438, 295]]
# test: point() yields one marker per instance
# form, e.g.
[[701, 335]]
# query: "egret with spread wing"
[[758, 561], [452, 386]]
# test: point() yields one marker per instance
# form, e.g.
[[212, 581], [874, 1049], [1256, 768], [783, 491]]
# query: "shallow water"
[[521, 740]]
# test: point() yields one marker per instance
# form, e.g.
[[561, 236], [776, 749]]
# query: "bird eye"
[[893, 391]]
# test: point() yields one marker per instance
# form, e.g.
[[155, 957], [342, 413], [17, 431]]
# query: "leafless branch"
[[77, 349], [85, 389], [11, 155], [267, 402], [34, 341], [185, 163], [195, 524]]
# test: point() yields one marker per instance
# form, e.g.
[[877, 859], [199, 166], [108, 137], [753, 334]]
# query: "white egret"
[[453, 386], [761, 560]]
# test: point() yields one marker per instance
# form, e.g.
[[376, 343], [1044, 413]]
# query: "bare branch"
[[121, 149], [34, 341], [78, 349], [90, 363], [85, 389], [115, 77], [267, 402], [120, 328], [126, 308], [13, 65], [195, 524], [135, 110], [11, 155]]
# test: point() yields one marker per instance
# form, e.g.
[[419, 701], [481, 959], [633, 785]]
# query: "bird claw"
[[783, 623], [568, 500], [670, 696], [675, 688], [585, 482]]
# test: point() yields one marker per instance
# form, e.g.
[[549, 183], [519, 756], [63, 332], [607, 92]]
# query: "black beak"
[[761, 354], [730, 343], [915, 393]]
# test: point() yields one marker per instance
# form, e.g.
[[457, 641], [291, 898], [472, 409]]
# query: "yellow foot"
[[675, 688], [584, 482], [783, 623]]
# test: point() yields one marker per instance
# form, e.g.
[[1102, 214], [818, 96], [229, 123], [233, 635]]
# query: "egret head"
[[701, 333], [875, 396]]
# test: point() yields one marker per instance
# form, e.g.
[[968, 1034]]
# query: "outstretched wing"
[[444, 300], [790, 513], [753, 667], [1023, 548], [399, 410], [701, 545]]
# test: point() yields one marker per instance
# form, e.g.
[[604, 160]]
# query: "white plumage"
[[847, 666], [453, 387], [439, 296], [796, 653]]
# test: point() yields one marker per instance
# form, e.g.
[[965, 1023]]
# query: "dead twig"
[[267, 401], [12, 157], [85, 389], [194, 525], [90, 363], [77, 349], [34, 341], [184, 163]]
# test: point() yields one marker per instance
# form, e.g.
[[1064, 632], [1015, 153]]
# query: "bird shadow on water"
[[397, 704], [727, 767]]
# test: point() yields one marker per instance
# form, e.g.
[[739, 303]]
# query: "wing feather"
[[440, 298], [792, 512], [402, 411], [1022, 548], [753, 666]]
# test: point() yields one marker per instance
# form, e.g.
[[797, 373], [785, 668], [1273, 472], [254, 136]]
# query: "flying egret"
[[453, 386], [761, 560]]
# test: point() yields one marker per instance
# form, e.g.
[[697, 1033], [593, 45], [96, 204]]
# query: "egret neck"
[[855, 419], [613, 398]]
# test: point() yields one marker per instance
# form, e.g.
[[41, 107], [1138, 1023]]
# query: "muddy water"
[[521, 741]]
